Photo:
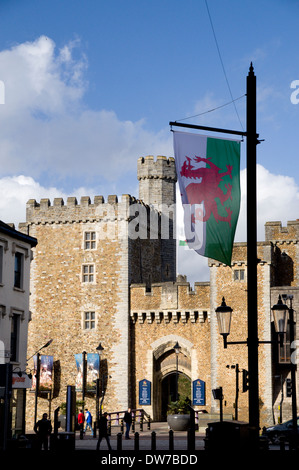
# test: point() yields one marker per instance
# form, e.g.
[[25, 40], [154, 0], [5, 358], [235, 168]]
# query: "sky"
[[88, 87]]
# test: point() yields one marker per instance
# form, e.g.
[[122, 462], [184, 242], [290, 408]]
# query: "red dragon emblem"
[[207, 189]]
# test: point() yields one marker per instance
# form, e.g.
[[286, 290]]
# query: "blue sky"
[[90, 86]]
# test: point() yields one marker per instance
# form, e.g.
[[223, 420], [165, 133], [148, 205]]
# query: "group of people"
[[43, 427], [87, 419], [103, 428]]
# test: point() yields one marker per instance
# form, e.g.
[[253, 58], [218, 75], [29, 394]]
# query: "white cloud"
[[46, 130], [17, 190]]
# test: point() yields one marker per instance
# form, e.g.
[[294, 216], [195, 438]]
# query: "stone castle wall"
[[168, 313], [229, 283]]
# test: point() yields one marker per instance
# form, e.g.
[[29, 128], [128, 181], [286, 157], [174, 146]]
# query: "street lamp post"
[[177, 349], [224, 313], [37, 375], [100, 350]]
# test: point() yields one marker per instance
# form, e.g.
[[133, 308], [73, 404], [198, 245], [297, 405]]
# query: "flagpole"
[[252, 315], [206, 128]]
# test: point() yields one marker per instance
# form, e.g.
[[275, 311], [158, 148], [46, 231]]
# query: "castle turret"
[[157, 188], [157, 180]]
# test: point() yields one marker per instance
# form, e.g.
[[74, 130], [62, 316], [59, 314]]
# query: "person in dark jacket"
[[103, 431], [128, 421], [43, 429]]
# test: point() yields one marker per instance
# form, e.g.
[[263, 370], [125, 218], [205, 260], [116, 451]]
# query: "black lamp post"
[[224, 313], [37, 374], [177, 349], [100, 350]]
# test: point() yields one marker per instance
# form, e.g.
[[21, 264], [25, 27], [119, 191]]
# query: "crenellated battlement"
[[170, 301], [45, 212], [162, 168], [274, 231]]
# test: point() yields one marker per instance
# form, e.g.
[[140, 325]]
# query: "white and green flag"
[[208, 171]]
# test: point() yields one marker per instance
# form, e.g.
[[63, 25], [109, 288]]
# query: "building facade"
[[105, 272], [15, 259]]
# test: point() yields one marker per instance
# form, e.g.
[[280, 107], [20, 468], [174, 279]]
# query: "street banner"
[[208, 171]]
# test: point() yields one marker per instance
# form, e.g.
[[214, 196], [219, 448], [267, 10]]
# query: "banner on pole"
[[208, 171]]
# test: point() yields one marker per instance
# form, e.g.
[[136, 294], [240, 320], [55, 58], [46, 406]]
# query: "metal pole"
[[252, 315], [293, 372], [36, 385], [176, 385], [84, 376], [221, 403], [237, 391]]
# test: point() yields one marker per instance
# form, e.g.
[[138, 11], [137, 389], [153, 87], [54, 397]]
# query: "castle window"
[[88, 273], [89, 241], [89, 320], [239, 274]]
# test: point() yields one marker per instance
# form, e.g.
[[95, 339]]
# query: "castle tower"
[[157, 189]]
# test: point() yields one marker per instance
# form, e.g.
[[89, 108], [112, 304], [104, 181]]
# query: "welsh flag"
[[208, 171]]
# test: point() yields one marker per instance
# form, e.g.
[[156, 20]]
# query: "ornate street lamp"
[[280, 316], [224, 314]]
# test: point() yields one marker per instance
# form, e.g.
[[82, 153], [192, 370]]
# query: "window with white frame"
[[88, 273], [89, 322], [89, 240]]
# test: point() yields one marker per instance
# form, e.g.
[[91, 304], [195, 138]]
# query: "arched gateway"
[[172, 373]]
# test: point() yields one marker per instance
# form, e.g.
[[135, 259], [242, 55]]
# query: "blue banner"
[[199, 392], [144, 392]]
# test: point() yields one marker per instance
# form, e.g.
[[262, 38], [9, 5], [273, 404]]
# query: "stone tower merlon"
[[156, 180], [274, 231]]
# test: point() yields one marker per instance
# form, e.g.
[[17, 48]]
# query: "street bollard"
[[171, 446], [153, 441], [119, 441], [136, 441]]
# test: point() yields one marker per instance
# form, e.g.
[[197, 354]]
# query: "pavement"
[[142, 440]]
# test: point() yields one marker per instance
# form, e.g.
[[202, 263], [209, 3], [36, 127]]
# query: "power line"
[[223, 68], [210, 110]]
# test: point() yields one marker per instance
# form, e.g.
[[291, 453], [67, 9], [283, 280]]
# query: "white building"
[[15, 258]]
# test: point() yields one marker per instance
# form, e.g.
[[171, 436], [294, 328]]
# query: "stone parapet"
[[58, 212]]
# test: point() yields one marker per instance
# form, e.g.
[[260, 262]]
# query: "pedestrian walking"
[[43, 429], [103, 431], [81, 419], [128, 421], [88, 421]]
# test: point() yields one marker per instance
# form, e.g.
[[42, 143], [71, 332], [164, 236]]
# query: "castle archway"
[[171, 385], [166, 372]]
